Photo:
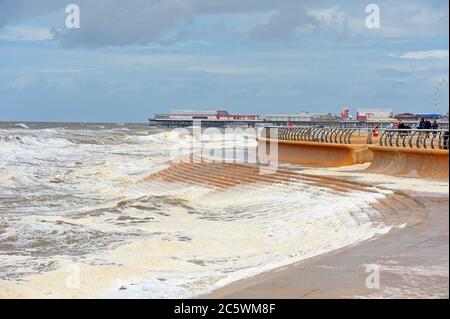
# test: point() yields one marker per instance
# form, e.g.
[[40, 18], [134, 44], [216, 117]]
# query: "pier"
[[167, 123]]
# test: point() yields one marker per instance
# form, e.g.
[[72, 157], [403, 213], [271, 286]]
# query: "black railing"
[[406, 138], [334, 135], [414, 138]]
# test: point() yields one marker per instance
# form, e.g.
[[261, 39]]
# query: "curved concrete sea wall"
[[395, 152], [426, 163], [319, 154]]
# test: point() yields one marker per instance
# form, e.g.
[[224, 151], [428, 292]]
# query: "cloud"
[[131, 22], [33, 82], [421, 55], [413, 18], [13, 11], [21, 83], [136, 22], [332, 18], [61, 71], [285, 23], [26, 33], [143, 22]]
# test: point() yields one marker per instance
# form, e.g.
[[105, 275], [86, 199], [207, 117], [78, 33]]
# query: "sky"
[[133, 58]]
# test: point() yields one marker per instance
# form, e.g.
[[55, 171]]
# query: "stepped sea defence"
[[90, 210]]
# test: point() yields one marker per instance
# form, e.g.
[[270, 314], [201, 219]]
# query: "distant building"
[[406, 117], [374, 115], [298, 117], [218, 118], [429, 116], [345, 114], [326, 118]]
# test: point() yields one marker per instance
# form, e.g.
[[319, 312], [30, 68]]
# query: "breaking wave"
[[22, 125], [78, 195]]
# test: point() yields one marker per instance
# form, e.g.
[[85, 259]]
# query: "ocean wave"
[[80, 199], [11, 178], [183, 136], [22, 125], [31, 140], [218, 238]]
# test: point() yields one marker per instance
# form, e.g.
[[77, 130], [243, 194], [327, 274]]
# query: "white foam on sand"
[[356, 172], [416, 282], [207, 240], [88, 208]]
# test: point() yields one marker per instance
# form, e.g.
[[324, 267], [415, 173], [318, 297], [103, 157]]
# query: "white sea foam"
[[22, 125], [391, 182], [78, 193]]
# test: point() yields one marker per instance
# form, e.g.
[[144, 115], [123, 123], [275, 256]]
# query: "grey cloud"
[[131, 22], [393, 73], [12, 11], [141, 22], [120, 23], [241, 6], [285, 23]]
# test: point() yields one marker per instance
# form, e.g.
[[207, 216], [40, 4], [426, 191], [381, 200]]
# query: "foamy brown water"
[[73, 197]]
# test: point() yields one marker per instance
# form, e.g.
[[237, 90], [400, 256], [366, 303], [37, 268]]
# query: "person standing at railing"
[[375, 131], [401, 128], [421, 124], [435, 127], [427, 127], [391, 127], [446, 135]]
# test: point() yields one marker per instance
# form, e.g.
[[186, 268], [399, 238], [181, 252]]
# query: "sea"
[[79, 219]]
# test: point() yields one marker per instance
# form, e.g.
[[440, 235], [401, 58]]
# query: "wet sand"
[[413, 262]]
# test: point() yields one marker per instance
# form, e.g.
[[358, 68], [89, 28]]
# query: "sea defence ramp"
[[405, 152]]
